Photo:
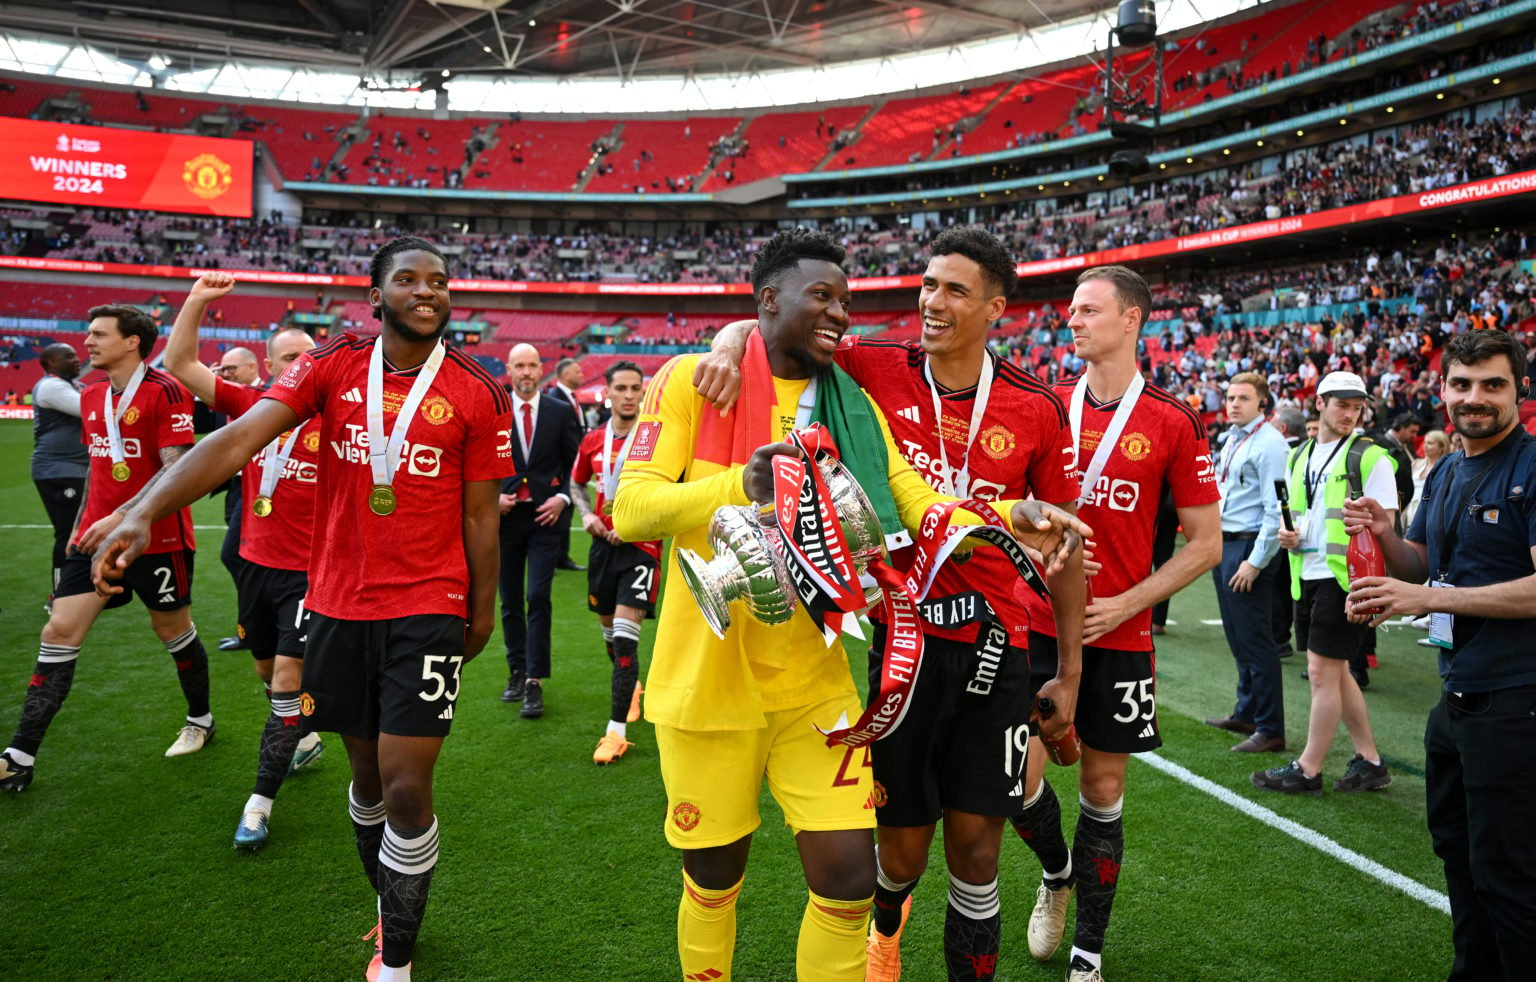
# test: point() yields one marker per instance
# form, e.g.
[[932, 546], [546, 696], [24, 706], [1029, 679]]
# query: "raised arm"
[[181, 347]]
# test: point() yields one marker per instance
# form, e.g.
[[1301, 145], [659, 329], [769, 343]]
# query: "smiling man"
[[732, 712], [972, 425], [415, 442], [1469, 561]]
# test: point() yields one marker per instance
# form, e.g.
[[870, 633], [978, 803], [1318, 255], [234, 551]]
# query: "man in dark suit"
[[563, 388], [545, 437]]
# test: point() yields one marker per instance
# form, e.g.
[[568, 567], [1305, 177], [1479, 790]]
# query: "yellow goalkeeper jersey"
[[696, 680]]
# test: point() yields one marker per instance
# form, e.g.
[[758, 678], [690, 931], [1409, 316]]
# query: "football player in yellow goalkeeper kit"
[[729, 713]]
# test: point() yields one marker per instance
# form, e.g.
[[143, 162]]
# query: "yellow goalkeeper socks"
[[832, 936], [706, 931]]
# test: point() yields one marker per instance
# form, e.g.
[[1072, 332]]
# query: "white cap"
[[1345, 385]]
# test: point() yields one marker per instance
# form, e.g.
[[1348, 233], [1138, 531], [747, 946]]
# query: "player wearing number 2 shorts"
[[135, 421], [414, 444], [1133, 439]]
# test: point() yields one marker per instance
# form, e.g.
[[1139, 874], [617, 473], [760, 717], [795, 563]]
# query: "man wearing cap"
[[1324, 473]]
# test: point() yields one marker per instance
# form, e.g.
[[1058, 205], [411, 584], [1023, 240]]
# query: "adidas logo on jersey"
[[353, 394], [446, 714], [911, 412], [1148, 733]]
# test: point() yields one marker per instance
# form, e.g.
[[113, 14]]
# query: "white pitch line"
[[1301, 833], [205, 528]]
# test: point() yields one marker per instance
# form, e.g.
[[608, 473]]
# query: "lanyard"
[[384, 456], [274, 459], [114, 435], [1309, 484], [958, 484], [1128, 400], [609, 474], [1232, 449]]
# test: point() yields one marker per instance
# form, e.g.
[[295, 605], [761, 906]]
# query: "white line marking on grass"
[[1215, 623], [205, 528], [1300, 833]]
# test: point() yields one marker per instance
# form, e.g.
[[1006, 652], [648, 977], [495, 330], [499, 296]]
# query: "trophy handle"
[[707, 591]]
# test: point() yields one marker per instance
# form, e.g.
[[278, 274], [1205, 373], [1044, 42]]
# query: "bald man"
[[59, 461], [238, 366], [545, 440]]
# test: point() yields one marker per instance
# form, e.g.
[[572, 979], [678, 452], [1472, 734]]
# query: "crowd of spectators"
[[1422, 156]]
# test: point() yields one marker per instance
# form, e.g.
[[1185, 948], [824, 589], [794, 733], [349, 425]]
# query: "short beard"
[[387, 316]]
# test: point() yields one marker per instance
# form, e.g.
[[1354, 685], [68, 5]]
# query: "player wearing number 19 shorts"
[[403, 560], [1149, 440]]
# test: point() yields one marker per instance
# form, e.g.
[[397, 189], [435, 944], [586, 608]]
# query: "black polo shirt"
[[1492, 500]]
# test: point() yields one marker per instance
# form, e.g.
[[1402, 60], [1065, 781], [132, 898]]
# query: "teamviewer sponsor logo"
[[424, 461]]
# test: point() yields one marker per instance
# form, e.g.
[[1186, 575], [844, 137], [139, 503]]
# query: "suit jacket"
[[552, 452], [557, 394]]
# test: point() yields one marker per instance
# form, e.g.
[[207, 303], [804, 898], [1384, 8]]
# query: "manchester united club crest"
[[877, 797], [306, 704], [1135, 446], [436, 410], [996, 442], [312, 441], [131, 416], [207, 176], [686, 816]]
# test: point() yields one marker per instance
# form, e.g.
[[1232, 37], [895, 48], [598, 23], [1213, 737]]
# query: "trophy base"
[[712, 604]]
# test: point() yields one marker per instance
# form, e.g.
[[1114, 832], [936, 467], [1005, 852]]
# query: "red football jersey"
[[159, 416], [1163, 443], [279, 540], [1024, 448], [365, 566], [589, 468]]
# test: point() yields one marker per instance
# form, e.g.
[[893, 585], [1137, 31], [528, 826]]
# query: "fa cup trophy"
[[752, 563]]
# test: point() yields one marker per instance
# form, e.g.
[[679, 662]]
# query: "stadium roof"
[[562, 38], [401, 49]]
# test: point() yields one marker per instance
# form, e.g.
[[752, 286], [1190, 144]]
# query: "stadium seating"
[[802, 148], [678, 149], [904, 128], [537, 154]]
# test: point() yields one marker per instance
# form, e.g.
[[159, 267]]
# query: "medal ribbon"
[[114, 436], [274, 460], [1106, 446], [957, 484], [384, 456], [608, 473]]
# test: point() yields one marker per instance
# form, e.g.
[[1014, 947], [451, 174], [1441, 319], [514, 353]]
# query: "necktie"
[[522, 489]]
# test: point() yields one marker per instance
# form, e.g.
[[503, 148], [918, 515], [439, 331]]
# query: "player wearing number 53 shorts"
[[414, 443]]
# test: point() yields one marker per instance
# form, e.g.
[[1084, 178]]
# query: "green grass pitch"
[[116, 863]]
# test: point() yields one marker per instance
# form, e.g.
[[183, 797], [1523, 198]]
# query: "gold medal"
[[119, 471], [608, 508], [262, 506], [381, 499]]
